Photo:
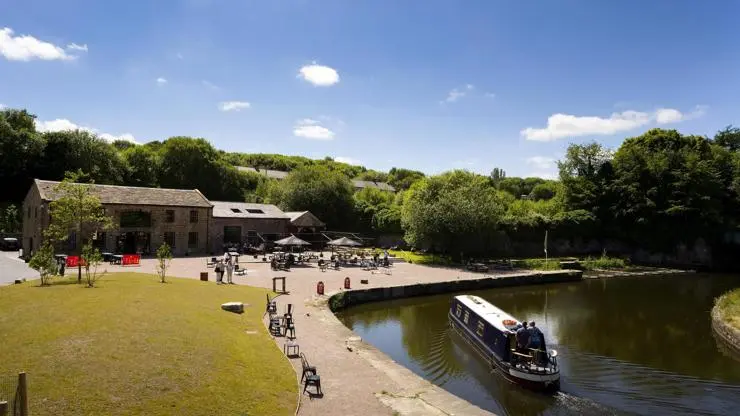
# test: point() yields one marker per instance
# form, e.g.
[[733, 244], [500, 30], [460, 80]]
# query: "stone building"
[[143, 218], [304, 222], [240, 222]]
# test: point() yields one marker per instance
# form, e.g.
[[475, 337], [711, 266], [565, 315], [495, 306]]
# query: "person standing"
[[219, 271], [522, 338], [229, 270]]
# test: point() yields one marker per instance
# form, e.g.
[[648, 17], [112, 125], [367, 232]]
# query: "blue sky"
[[429, 85]]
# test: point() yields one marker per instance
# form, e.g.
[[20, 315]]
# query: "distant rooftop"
[[279, 174], [223, 209]]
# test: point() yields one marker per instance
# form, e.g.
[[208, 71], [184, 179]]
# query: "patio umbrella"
[[344, 242], [292, 241]]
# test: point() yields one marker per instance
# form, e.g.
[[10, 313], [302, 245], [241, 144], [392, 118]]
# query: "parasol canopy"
[[344, 242], [292, 241]]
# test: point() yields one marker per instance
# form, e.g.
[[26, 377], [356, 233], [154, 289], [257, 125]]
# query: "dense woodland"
[[655, 190]]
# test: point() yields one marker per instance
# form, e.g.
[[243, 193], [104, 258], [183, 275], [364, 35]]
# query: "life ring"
[[509, 322]]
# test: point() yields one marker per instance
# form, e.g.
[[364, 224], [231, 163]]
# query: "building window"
[[169, 238], [135, 219], [481, 326], [458, 310], [193, 216], [236, 210], [192, 239], [255, 211], [466, 317], [169, 215], [29, 212]]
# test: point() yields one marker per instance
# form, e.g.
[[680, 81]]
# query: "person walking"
[[229, 270]]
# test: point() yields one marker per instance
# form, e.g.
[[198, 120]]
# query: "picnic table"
[[116, 259]]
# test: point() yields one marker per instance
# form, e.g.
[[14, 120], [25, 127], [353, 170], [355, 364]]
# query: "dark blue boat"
[[491, 332]]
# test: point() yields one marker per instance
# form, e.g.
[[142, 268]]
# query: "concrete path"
[[11, 268], [356, 378]]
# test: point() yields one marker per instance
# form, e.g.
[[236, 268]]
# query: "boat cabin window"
[[458, 310], [466, 317], [480, 328]]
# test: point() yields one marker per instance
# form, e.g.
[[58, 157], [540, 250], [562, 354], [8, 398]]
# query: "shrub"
[[91, 259], [164, 257], [43, 261]]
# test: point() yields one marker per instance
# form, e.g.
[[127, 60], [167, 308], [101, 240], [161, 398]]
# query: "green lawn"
[[137, 346], [729, 307]]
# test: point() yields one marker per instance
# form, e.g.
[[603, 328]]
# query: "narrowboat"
[[492, 332]]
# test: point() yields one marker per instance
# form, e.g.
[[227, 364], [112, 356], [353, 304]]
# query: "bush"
[[539, 264], [43, 261], [603, 262]]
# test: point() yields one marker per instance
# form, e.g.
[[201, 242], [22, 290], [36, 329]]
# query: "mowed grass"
[[134, 346], [729, 308]]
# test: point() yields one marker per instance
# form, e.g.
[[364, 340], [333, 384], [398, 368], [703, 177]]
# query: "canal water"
[[638, 345]]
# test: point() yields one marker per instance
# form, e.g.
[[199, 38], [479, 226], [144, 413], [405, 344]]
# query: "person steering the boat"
[[522, 338], [537, 342]]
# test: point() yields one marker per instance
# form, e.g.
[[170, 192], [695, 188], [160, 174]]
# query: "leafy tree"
[[402, 179], [544, 190], [144, 166], [91, 259], [10, 219], [729, 138], [44, 262], [68, 151], [497, 174], [20, 147], [76, 208], [164, 257], [327, 194], [454, 212], [373, 176], [123, 144]]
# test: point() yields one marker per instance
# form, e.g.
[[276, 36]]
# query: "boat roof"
[[486, 311]]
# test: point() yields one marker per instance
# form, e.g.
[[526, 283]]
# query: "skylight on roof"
[[255, 211], [236, 210]]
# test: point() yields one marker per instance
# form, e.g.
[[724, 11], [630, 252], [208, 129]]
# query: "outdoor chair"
[[323, 265], [313, 380], [271, 305], [211, 263], [307, 368]]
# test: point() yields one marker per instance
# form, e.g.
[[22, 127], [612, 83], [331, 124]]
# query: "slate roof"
[[133, 195], [222, 209], [272, 174], [371, 184], [304, 219]]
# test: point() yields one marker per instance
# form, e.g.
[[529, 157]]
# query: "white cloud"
[[28, 48], [541, 162], [3, 106], [348, 160], [312, 129], [670, 115], [566, 125], [490, 95], [233, 105], [457, 93], [319, 75], [161, 81], [62, 124], [179, 56], [210, 85], [75, 47]]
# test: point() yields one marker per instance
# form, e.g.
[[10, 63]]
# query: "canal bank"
[[725, 332], [345, 299], [357, 378]]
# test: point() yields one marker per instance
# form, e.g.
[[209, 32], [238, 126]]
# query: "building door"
[[232, 234]]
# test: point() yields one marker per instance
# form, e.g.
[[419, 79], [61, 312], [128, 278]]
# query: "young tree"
[[164, 257], [91, 258], [76, 208], [43, 261], [9, 220]]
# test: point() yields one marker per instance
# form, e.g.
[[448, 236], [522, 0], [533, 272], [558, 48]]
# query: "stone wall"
[[346, 299], [260, 225], [728, 335], [181, 226], [35, 217]]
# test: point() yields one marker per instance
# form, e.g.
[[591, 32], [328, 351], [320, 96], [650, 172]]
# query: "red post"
[[320, 288], [346, 283]]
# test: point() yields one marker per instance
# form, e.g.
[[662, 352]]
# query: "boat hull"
[[546, 383]]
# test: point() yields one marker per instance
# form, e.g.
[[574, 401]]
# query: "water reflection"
[[636, 345]]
